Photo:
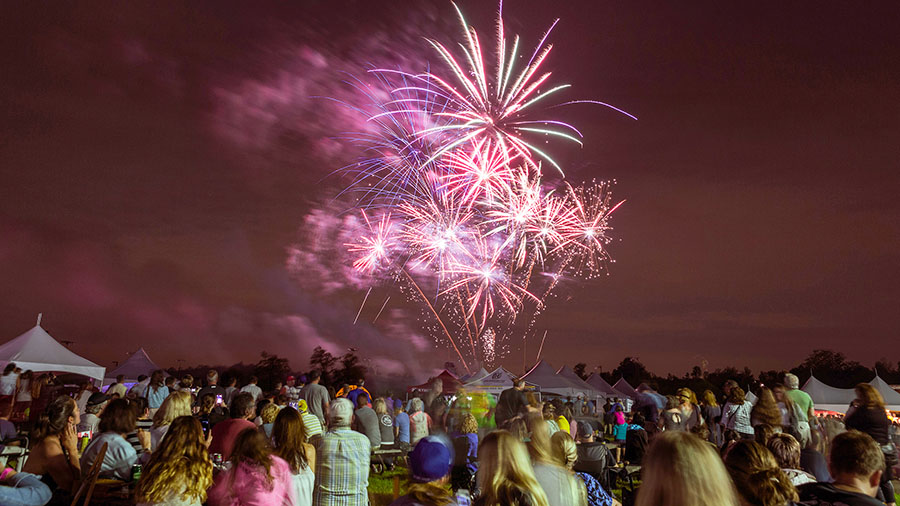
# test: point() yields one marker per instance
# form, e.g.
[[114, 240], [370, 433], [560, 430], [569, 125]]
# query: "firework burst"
[[453, 198]]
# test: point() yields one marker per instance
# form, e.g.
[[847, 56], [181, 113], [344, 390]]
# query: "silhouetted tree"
[[580, 370], [324, 362], [270, 370], [833, 368], [632, 370]]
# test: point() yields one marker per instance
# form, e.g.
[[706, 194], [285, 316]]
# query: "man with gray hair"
[[342, 460], [803, 406]]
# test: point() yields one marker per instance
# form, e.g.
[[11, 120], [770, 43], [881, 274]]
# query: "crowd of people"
[[192, 442]]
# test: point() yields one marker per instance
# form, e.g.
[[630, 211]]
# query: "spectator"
[[867, 415], [342, 461], [354, 391], [736, 413], [465, 449], [170, 384], [44, 389], [690, 411], [139, 389], [230, 390], [54, 446], [812, 460], [316, 396], [312, 427], [766, 411], [505, 474], [594, 457], [213, 388], [23, 397], [116, 422], [637, 440], [561, 487], [385, 423], [90, 420], [757, 475], [565, 454], [511, 405], [671, 418], [289, 436], [83, 394], [548, 411], [268, 414], [187, 383], [22, 489], [253, 389], [118, 388], [143, 422], [9, 383], [712, 414], [179, 472], [682, 470], [210, 411], [157, 391], [803, 407], [429, 464], [419, 421], [365, 420], [856, 463], [243, 410], [786, 451], [176, 404], [256, 477], [290, 390], [401, 426]]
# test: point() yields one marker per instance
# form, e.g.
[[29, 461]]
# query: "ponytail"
[[771, 487], [53, 420]]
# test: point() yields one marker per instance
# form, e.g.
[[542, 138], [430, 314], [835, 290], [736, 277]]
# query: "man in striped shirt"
[[342, 461], [310, 422]]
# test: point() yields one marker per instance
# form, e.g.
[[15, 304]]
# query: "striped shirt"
[[342, 468], [311, 424]]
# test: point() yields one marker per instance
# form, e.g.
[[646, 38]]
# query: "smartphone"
[[219, 400], [205, 425]]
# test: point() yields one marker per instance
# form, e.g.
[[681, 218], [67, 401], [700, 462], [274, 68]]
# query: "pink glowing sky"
[[157, 164]]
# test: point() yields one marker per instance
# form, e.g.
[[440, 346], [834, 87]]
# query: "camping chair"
[[90, 479]]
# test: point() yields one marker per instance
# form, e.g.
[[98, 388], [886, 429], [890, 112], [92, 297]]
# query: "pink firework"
[[480, 169], [376, 247]]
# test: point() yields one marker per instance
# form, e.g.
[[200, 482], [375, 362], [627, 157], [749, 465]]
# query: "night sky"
[[158, 161]]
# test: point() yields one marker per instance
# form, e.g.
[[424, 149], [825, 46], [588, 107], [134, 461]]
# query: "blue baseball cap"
[[430, 460]]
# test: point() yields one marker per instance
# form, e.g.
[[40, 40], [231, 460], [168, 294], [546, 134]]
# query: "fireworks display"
[[451, 191]]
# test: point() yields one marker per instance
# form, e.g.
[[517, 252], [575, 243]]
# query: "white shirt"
[[8, 383], [254, 390], [119, 458]]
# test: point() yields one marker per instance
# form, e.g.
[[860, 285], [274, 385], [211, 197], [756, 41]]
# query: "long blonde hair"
[[564, 450], [681, 469], [180, 464], [175, 405], [505, 472], [539, 444]]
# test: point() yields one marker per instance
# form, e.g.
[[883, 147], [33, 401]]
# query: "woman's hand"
[[69, 439]]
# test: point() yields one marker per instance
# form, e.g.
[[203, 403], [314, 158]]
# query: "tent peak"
[[38, 324]]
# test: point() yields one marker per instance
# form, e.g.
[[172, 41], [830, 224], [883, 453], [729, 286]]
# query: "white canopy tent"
[[567, 372], [891, 397], [597, 381], [480, 373], [136, 364], [38, 351], [828, 398], [624, 388], [495, 382], [543, 375]]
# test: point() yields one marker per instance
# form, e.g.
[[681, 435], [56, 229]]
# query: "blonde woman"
[[565, 453], [757, 476], [179, 472], [505, 474], [175, 405], [681, 469], [561, 486], [268, 414], [712, 414]]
